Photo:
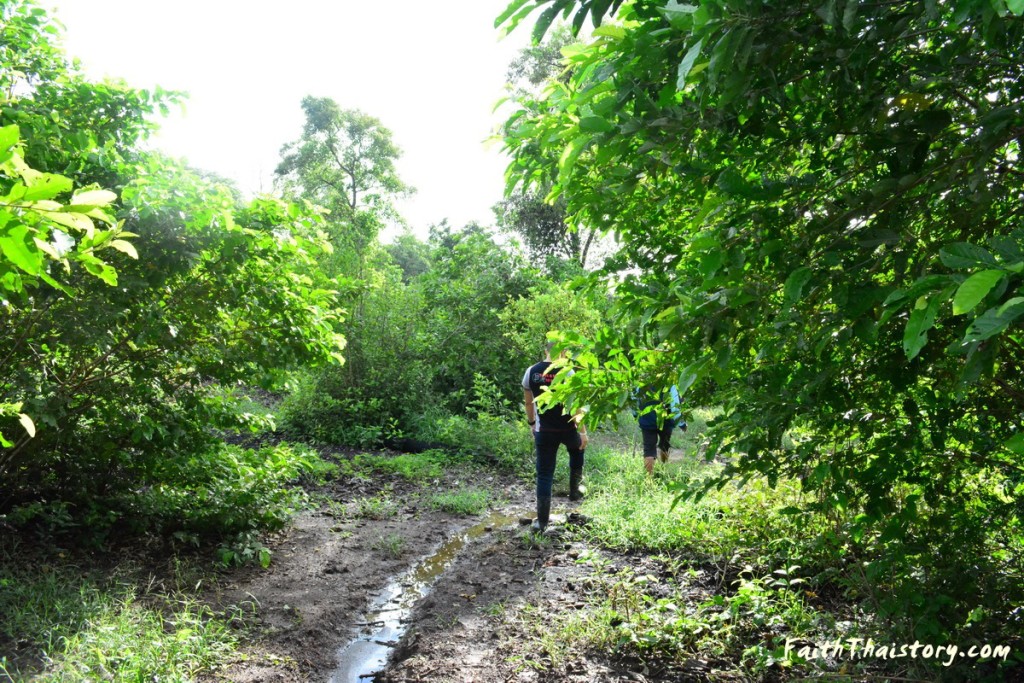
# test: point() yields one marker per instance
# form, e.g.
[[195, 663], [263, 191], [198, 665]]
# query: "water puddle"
[[386, 619]]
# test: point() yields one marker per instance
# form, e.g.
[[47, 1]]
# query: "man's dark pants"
[[547, 444]]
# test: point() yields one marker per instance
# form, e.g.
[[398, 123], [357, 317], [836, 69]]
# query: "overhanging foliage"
[[821, 210]]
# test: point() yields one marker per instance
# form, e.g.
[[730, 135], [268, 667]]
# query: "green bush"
[[228, 490], [115, 369], [413, 466], [312, 413], [220, 493], [484, 437]]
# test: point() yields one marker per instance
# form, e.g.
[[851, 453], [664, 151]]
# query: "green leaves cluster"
[[38, 229], [416, 344], [819, 207], [112, 351]]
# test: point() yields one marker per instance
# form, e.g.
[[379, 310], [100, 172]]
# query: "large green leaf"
[[974, 289], [962, 255], [9, 136], [16, 247], [993, 321], [686, 65], [69, 219], [596, 124], [46, 186], [922, 318], [93, 198], [28, 424], [1015, 443], [571, 153], [125, 247], [794, 286], [512, 8]]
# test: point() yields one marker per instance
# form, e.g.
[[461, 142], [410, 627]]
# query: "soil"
[[326, 570]]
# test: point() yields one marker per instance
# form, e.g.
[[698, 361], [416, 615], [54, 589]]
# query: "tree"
[[537, 64], [471, 279], [540, 221], [116, 349], [409, 254], [344, 161], [549, 307], [542, 227], [820, 213]]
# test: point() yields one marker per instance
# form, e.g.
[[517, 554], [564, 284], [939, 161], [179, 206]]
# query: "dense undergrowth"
[[737, 579], [746, 583]]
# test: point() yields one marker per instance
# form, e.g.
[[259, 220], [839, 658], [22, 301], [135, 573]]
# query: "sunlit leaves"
[[974, 289], [822, 199], [121, 310], [961, 255], [686, 65], [15, 247]]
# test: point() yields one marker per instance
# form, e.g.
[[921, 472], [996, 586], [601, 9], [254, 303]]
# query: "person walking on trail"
[[551, 428], [658, 414]]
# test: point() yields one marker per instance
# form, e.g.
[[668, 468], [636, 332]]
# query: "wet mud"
[[461, 603]]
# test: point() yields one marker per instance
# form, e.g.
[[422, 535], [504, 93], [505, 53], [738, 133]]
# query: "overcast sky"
[[430, 71]]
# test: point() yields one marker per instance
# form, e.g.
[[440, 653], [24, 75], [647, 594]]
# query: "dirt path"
[[329, 565], [472, 625]]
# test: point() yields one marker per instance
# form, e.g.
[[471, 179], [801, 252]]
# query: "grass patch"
[[736, 525], [418, 467], [746, 573], [462, 502], [391, 544], [381, 506], [505, 442], [528, 538], [58, 626], [663, 621]]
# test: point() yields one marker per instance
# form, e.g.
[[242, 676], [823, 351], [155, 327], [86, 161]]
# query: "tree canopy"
[[820, 207], [131, 290], [344, 161]]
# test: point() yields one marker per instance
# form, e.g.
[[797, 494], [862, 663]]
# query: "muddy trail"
[[413, 593]]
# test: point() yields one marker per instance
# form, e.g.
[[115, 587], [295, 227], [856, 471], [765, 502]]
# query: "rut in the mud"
[[386, 620]]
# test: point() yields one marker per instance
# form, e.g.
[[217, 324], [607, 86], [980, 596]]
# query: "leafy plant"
[[381, 506], [245, 549], [83, 631], [116, 387], [819, 216], [413, 466], [392, 544]]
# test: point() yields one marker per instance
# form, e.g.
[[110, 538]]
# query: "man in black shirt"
[[551, 428]]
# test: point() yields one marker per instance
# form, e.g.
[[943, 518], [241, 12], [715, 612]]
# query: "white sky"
[[430, 71]]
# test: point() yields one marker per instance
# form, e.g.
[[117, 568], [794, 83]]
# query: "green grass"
[[80, 630], [381, 506], [462, 502], [631, 511], [391, 544], [418, 467], [750, 554], [664, 620]]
